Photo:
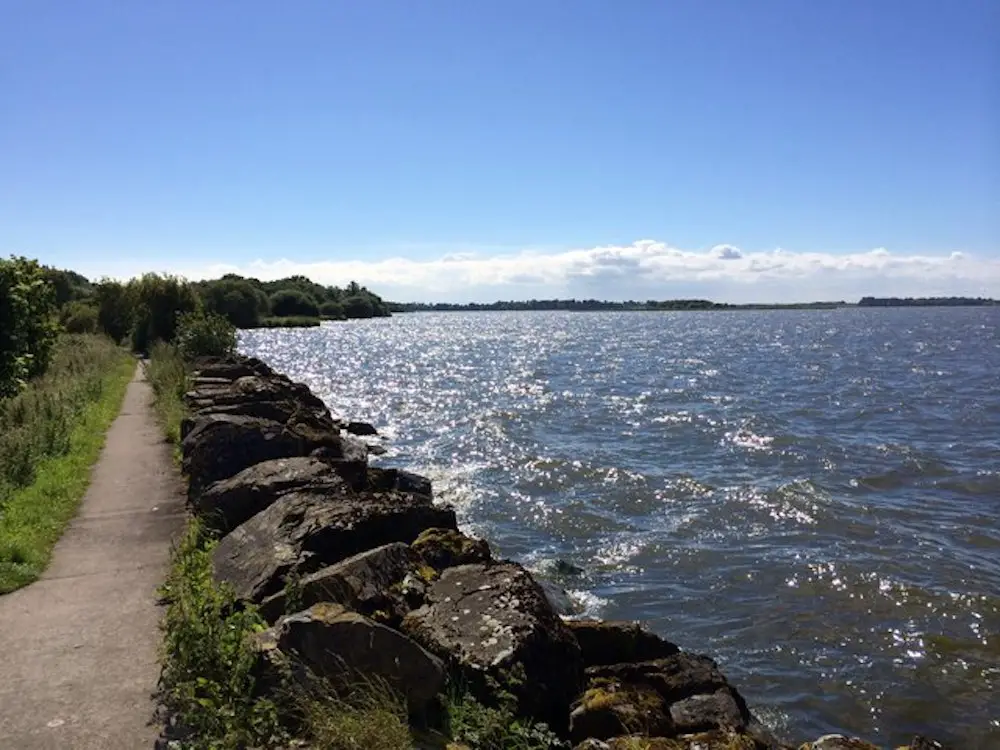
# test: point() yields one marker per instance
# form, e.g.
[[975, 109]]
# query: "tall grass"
[[51, 434], [167, 374]]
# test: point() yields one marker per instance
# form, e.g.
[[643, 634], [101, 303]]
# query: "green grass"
[[167, 374], [51, 435]]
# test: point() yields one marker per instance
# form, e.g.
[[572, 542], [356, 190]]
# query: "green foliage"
[[208, 680], [359, 306], [240, 301], [167, 374], [79, 317], [288, 302], [496, 727], [201, 334], [114, 309], [50, 436], [156, 303], [333, 310], [68, 286], [370, 715], [295, 321], [28, 326]]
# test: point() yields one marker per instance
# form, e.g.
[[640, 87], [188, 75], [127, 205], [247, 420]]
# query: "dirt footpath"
[[78, 647]]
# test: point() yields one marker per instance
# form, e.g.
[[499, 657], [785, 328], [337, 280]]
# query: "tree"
[[28, 325], [288, 302], [114, 309], [236, 299], [157, 301], [359, 306]]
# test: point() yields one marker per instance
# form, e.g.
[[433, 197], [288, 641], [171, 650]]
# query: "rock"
[[558, 598], [718, 740], [691, 695], [370, 583], [226, 504], [613, 642], [492, 621], [398, 479], [374, 449], [361, 428], [838, 742], [302, 532], [346, 648], [704, 712], [446, 548], [607, 710], [564, 568], [219, 446], [230, 368], [924, 743]]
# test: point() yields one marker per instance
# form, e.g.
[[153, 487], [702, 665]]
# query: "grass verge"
[[51, 435], [167, 374]]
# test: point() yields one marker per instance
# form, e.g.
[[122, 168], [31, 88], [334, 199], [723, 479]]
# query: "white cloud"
[[644, 269]]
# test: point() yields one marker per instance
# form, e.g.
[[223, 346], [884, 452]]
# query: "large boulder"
[[373, 583], [398, 479], [218, 446], [347, 650], [838, 742], [446, 548], [226, 504], [230, 368], [680, 694], [715, 740], [614, 642], [302, 532], [492, 622]]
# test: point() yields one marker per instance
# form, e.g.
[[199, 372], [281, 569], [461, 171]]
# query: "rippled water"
[[809, 497]]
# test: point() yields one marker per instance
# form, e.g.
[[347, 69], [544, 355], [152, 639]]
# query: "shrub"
[[287, 302], [332, 310], [238, 300], [359, 306], [496, 727], [28, 327], [79, 317], [201, 334], [157, 301], [167, 375]]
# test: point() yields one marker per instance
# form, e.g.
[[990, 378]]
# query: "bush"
[[79, 317], [167, 375], [28, 326], [238, 300], [498, 727], [157, 301], [114, 309], [293, 321], [359, 306], [286, 302], [201, 334], [332, 310]]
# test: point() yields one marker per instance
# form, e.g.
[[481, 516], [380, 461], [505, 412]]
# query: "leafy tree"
[[201, 334], [114, 309], [236, 299], [28, 325], [79, 317], [68, 286], [287, 302], [359, 306], [333, 310], [157, 301]]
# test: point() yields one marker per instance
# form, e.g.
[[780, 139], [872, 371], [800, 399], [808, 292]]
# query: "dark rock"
[[563, 568], [230, 368], [400, 480], [493, 621], [693, 696], [838, 742], [219, 446], [613, 642], [303, 532], [924, 743], [361, 428], [374, 449], [558, 598], [608, 709], [715, 740], [226, 504], [704, 712], [446, 548], [344, 647], [370, 583]]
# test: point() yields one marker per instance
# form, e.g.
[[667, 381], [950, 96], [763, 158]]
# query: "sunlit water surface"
[[809, 497]]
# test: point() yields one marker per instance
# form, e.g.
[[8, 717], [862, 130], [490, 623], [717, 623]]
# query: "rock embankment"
[[363, 574]]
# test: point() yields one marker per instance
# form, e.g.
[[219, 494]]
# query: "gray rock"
[[226, 504], [219, 446], [371, 583], [493, 621], [398, 479], [302, 532], [838, 742], [704, 712], [361, 428], [613, 642], [346, 648]]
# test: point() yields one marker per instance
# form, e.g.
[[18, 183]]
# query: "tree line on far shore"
[[38, 302]]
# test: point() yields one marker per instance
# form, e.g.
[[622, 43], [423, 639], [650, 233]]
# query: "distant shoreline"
[[574, 305]]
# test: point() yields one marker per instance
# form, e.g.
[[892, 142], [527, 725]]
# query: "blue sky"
[[476, 150]]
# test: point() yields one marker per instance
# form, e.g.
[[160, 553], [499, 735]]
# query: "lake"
[[809, 497]]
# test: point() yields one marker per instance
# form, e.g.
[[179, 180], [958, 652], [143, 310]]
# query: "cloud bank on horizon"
[[645, 269]]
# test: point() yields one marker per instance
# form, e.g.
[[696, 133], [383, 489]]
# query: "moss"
[[427, 573]]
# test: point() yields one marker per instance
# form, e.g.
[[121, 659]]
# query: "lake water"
[[809, 497]]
